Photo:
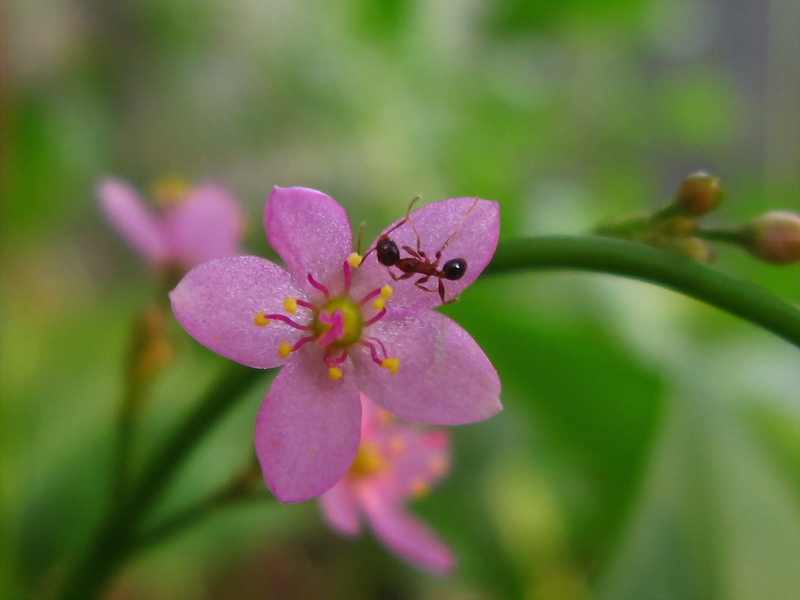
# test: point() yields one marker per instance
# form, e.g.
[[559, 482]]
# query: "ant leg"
[[422, 280], [441, 291], [419, 256]]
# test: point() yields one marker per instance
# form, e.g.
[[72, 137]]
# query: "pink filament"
[[318, 285], [373, 352], [305, 304], [288, 321], [376, 318], [369, 296], [301, 342], [383, 348], [332, 362]]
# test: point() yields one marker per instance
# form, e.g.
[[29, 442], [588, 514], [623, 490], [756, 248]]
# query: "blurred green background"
[[650, 445]]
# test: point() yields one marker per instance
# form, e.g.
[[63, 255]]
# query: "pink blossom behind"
[[202, 224], [395, 462]]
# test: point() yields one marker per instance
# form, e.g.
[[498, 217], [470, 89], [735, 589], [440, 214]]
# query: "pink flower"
[[338, 330], [395, 462], [195, 225]]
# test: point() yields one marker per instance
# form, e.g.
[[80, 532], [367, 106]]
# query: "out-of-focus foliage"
[[650, 446]]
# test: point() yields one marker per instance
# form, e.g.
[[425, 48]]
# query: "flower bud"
[[699, 194], [677, 226], [693, 248], [774, 237]]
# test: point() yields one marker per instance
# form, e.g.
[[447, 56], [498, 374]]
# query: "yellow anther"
[[290, 305], [354, 259], [379, 304], [419, 488], [284, 349], [170, 190], [392, 364], [334, 373], [386, 292], [261, 319], [368, 461]]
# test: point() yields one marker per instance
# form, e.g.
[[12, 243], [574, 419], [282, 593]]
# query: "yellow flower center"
[[351, 317], [368, 462]]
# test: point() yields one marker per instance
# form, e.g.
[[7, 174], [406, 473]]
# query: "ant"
[[419, 263]]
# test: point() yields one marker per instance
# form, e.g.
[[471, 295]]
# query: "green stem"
[[190, 516], [729, 236], [114, 540], [637, 261]]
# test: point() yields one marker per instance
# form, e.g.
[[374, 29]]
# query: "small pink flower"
[[338, 330], [195, 225], [395, 462]]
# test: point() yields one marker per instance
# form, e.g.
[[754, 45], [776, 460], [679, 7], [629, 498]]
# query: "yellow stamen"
[[419, 488], [290, 305], [368, 461], [261, 319], [392, 364], [354, 259], [386, 292], [334, 373], [170, 190], [284, 349], [379, 304]]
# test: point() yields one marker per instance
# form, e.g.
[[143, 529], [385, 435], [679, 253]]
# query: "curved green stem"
[[637, 261]]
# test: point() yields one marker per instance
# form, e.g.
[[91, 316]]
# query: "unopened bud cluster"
[[773, 237]]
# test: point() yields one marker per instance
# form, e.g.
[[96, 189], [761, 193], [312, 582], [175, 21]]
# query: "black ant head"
[[454, 268], [388, 253]]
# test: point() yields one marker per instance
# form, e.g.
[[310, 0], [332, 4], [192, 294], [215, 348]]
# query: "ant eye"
[[454, 269], [388, 253]]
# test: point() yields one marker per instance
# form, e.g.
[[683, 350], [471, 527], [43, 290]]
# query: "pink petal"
[[475, 241], [307, 430], [207, 225], [217, 301], [444, 378], [340, 509], [405, 535], [129, 215], [311, 233]]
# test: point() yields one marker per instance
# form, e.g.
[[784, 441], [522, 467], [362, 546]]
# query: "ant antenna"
[[458, 227]]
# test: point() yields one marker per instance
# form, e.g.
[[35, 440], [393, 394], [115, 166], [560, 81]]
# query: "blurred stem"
[[246, 486], [631, 227], [114, 542], [150, 350], [729, 236], [637, 261]]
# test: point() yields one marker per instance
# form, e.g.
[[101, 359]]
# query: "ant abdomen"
[[454, 269]]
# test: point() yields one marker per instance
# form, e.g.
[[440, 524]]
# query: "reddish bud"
[[774, 237], [699, 194]]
